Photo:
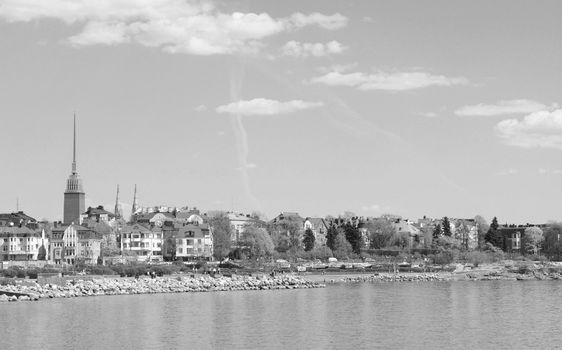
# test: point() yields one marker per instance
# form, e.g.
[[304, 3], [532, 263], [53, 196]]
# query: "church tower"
[[74, 196], [117, 210]]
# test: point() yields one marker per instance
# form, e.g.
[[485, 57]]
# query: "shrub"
[[9, 273], [32, 273]]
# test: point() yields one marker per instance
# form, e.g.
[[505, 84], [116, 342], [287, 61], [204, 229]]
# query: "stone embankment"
[[403, 277], [128, 286]]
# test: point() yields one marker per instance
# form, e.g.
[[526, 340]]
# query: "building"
[[74, 196], [187, 241], [319, 228], [138, 240], [238, 223], [97, 214], [20, 243], [18, 219], [73, 243]]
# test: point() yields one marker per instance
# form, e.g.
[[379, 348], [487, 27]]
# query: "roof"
[[98, 211], [318, 222], [16, 218], [16, 230], [135, 228]]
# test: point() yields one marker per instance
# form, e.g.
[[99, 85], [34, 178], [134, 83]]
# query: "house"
[[73, 243], [187, 241], [415, 235], [238, 222], [319, 227], [18, 219], [138, 240]]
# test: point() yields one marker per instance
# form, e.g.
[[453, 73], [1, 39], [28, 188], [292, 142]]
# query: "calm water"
[[440, 315]]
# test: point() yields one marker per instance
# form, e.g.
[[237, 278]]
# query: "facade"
[[74, 196], [238, 223], [21, 243], [138, 240], [74, 243], [187, 241]]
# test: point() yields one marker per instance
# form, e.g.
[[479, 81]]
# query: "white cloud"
[[297, 49], [542, 171], [503, 107], [340, 68], [200, 108], [262, 106], [333, 22], [541, 129], [394, 81], [175, 26]]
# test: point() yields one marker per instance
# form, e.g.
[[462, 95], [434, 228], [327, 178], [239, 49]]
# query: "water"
[[432, 315]]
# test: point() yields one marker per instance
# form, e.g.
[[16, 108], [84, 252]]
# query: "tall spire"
[[74, 147], [134, 209], [117, 210]]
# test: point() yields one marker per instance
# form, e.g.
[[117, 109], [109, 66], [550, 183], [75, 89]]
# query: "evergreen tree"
[[331, 236], [493, 236], [308, 240], [354, 237], [436, 232], [447, 227]]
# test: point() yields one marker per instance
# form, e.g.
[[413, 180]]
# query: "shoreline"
[[146, 285]]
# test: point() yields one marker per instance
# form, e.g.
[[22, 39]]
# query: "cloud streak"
[[175, 26], [296, 49], [389, 81], [503, 107], [262, 106], [541, 129]]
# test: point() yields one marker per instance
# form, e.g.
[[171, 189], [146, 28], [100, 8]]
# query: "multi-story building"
[[187, 241], [238, 223], [138, 240], [74, 243], [20, 243]]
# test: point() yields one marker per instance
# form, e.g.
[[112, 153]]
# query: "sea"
[[394, 315]]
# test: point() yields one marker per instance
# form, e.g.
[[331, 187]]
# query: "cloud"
[[503, 107], [333, 22], [175, 26], [509, 171], [542, 171], [200, 108], [394, 81], [541, 129], [297, 49], [262, 106]]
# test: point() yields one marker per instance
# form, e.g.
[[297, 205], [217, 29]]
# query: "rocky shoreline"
[[129, 286]]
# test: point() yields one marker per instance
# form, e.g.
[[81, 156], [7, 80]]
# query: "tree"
[[354, 237], [552, 245], [436, 232], [342, 248], [42, 254], [381, 232], [308, 240], [493, 236], [257, 242], [482, 227], [222, 234], [289, 227], [532, 240], [331, 237], [446, 224]]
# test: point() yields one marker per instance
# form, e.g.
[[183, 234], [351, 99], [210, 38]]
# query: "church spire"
[[117, 209], [134, 209], [74, 147]]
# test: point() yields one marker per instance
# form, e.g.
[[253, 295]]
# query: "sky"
[[415, 108]]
